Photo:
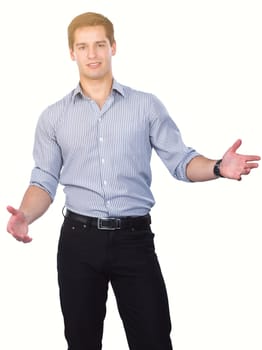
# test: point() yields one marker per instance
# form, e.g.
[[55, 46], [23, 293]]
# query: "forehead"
[[90, 34]]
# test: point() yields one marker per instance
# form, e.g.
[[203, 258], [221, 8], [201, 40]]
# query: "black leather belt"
[[138, 222]]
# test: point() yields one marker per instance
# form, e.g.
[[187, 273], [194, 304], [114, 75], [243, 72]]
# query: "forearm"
[[201, 169], [35, 203]]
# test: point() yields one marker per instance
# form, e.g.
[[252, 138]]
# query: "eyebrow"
[[101, 42], [97, 42]]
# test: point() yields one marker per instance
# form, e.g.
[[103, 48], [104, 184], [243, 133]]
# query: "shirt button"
[[103, 160], [101, 139], [105, 182]]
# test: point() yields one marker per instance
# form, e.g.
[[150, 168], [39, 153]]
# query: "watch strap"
[[217, 168]]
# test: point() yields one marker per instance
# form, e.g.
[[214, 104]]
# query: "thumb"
[[235, 146], [11, 210]]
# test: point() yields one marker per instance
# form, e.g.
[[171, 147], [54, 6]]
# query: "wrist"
[[216, 169]]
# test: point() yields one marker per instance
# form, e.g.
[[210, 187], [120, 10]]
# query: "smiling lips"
[[93, 65]]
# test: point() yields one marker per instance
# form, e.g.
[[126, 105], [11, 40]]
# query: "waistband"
[[138, 222]]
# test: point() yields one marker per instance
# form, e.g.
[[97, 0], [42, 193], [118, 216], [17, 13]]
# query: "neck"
[[98, 90]]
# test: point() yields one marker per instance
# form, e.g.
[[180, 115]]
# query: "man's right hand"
[[17, 225]]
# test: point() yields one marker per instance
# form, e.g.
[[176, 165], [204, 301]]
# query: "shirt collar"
[[115, 87]]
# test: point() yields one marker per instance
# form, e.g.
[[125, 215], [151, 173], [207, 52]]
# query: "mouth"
[[93, 65]]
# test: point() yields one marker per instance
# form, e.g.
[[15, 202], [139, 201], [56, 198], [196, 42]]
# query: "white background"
[[203, 60]]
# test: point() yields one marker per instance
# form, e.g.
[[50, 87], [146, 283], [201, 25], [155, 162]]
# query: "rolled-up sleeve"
[[47, 154], [167, 141]]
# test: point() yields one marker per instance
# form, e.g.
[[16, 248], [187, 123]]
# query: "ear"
[[114, 48], [72, 55]]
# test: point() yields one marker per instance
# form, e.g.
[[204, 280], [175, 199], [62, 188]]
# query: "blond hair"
[[90, 19]]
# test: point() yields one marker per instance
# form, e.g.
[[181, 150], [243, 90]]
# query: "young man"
[[97, 142]]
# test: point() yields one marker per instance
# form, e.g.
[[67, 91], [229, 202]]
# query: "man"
[[97, 142]]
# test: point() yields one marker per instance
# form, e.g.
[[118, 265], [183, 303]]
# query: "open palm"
[[234, 164], [17, 225]]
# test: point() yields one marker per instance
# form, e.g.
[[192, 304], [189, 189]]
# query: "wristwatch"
[[217, 168]]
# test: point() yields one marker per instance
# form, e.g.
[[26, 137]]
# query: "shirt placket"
[[103, 149]]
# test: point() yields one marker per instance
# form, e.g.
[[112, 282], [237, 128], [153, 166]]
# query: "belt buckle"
[[108, 223]]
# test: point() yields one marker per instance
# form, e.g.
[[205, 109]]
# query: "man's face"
[[92, 52]]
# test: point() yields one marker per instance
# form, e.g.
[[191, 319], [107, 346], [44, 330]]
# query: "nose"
[[91, 52]]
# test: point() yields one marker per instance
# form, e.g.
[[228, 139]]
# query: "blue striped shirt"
[[102, 156]]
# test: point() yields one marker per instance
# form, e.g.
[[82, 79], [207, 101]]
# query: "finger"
[[17, 237], [26, 239], [248, 168], [252, 165], [246, 171], [251, 158]]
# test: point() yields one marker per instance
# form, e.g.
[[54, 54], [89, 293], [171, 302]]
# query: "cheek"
[[78, 59]]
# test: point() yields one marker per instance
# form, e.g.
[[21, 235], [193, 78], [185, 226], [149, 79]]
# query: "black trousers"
[[88, 260]]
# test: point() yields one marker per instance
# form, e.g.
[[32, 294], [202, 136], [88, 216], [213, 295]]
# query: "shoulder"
[[53, 112], [128, 91], [139, 96], [61, 104], [145, 103]]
